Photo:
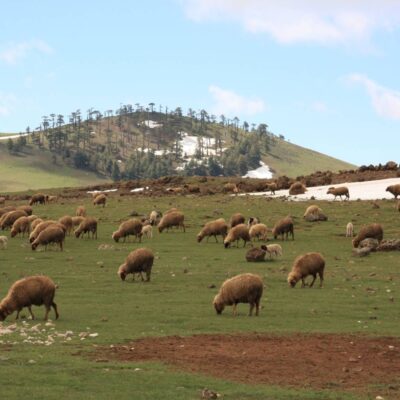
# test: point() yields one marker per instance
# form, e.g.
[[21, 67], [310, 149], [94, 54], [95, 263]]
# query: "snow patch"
[[101, 191], [141, 189], [262, 172], [189, 145], [152, 124]]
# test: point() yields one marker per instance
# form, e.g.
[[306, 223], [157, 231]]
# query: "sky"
[[325, 74]]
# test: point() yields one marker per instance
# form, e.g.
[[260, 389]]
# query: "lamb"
[[52, 199], [76, 221], [213, 228], [21, 225], [80, 211], [339, 191], [236, 219], [131, 227], [314, 213], [394, 189], [40, 228], [89, 224], [374, 231], [147, 231], [101, 199], [3, 242], [174, 218], [307, 264], [138, 261], [243, 288], [283, 226], [297, 188], [274, 249], [38, 198], [32, 290], [35, 223], [8, 219], [230, 188], [349, 230], [52, 234], [256, 254], [66, 220], [238, 232], [154, 216], [258, 231]]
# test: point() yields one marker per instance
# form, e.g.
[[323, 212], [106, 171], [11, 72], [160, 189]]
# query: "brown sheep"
[[339, 191], [7, 209], [374, 231], [243, 288], [66, 220], [52, 234], [38, 198], [174, 218], [236, 219], [131, 227], [307, 264], [394, 189], [238, 232], [32, 290], [99, 200], [21, 225], [258, 231], [297, 188], [32, 218], [89, 224], [2, 200], [8, 219], [213, 228], [76, 221], [173, 209], [256, 254], [35, 223], [39, 228], [271, 187], [284, 226], [138, 261], [230, 188], [314, 213], [80, 211], [27, 209]]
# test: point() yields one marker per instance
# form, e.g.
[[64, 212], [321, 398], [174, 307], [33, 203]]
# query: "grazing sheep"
[[274, 249], [297, 188], [314, 213], [52, 234], [147, 231], [213, 228], [394, 189], [38, 198], [339, 191], [27, 209], [8, 219], [40, 227], [258, 231], [154, 217], [52, 199], [349, 230], [3, 242], [374, 231], [271, 187], [256, 254], [66, 220], [21, 225], [99, 200], [138, 261], [76, 221], [2, 200], [89, 224], [174, 218], [238, 232], [35, 223], [32, 218], [243, 288], [80, 211], [253, 221], [307, 264], [7, 209], [284, 226], [236, 219], [173, 209], [29, 291], [230, 188], [131, 227]]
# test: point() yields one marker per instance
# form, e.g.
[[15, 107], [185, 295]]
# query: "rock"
[[209, 394], [370, 243], [212, 286], [389, 245], [361, 252]]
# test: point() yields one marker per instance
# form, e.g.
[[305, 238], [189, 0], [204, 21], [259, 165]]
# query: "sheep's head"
[[292, 279], [199, 237], [160, 228], [355, 243], [3, 314], [77, 233], [34, 245], [121, 272], [264, 247], [226, 244], [389, 189], [330, 190], [218, 305], [116, 236], [13, 232]]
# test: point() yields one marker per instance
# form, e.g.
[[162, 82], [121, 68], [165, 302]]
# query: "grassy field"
[[91, 298]]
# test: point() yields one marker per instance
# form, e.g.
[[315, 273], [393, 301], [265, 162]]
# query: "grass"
[[90, 295]]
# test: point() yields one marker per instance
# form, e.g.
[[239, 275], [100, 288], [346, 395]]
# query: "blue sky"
[[325, 74]]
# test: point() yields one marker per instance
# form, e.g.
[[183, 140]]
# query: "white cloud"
[[385, 101], [230, 103], [15, 52], [292, 21]]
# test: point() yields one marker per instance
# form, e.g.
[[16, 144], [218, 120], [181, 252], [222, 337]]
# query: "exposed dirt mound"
[[318, 361]]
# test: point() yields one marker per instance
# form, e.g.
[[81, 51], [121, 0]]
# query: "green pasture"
[[360, 296]]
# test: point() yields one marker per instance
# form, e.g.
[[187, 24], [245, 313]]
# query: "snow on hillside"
[[262, 172], [190, 144], [152, 124], [368, 190]]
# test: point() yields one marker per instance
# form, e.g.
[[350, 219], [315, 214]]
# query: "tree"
[[81, 160], [10, 146], [116, 173]]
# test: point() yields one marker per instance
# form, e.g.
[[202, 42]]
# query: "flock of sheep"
[[243, 288]]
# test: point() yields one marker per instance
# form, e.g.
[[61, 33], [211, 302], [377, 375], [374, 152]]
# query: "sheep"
[[274, 249], [7, 209], [52, 234], [213, 228], [89, 224], [253, 221], [368, 231], [314, 213], [236, 219], [154, 216], [101, 199], [297, 188], [173, 209], [3, 242], [238, 232], [66, 220], [138, 261], [174, 218], [271, 187], [243, 288], [131, 227], [258, 231], [39, 228], [76, 221], [394, 189], [349, 230], [27, 209], [339, 191], [304, 265], [80, 211], [38, 198], [35, 223], [52, 199], [32, 218], [32, 290], [2, 200], [230, 188], [147, 231], [256, 254], [21, 225], [8, 219], [283, 226]]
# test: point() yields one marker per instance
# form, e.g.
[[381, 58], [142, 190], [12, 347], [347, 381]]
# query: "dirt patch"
[[318, 361]]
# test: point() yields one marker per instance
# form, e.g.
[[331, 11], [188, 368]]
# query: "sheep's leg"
[[30, 312], [257, 307], [17, 317], [303, 283], [234, 309], [216, 239], [251, 309], [47, 312], [147, 276], [321, 278], [55, 309], [314, 278], [183, 225]]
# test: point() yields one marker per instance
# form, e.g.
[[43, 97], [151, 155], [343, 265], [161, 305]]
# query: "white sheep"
[[3, 242], [349, 230]]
